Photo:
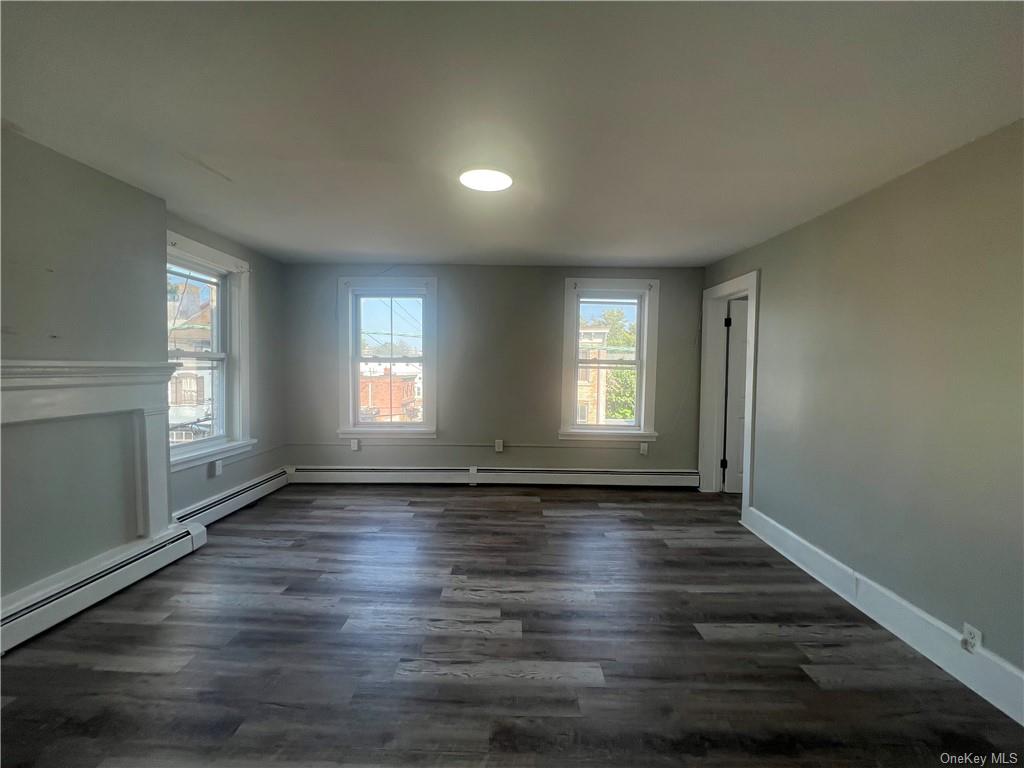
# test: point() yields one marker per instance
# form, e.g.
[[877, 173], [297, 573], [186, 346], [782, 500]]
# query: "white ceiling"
[[637, 134]]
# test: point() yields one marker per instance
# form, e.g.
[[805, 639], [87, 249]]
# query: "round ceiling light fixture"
[[485, 179]]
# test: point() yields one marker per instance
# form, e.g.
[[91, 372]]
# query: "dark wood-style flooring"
[[497, 627]]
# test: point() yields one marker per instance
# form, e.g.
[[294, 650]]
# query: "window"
[[207, 335], [195, 339], [389, 356], [609, 359]]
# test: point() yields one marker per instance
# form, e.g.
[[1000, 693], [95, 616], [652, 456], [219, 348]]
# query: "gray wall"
[[83, 258], [500, 360], [268, 405], [889, 385], [68, 494]]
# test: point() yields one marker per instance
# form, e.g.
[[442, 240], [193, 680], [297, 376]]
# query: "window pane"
[[407, 393], [375, 326], [606, 396], [191, 312], [391, 393], [607, 329], [193, 394], [407, 325], [374, 393]]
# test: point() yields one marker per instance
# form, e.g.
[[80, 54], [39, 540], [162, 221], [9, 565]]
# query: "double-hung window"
[[389, 356], [609, 359], [207, 336]]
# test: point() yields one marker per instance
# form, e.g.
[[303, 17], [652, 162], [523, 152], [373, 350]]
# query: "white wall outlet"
[[355, 444], [643, 449], [971, 639], [499, 446], [216, 468]]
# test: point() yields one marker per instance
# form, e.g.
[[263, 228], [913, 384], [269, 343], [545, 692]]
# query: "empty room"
[[512, 385]]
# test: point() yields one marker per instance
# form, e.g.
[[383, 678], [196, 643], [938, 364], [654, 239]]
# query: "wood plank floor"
[[491, 627]]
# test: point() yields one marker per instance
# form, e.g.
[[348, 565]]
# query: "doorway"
[[735, 394], [728, 354]]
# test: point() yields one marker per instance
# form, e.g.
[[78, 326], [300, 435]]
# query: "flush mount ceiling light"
[[485, 180]]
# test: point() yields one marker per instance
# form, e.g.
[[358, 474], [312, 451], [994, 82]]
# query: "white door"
[[736, 396]]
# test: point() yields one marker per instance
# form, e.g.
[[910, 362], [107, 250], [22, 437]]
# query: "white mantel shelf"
[[43, 374]]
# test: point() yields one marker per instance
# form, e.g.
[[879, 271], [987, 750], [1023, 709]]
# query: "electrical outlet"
[[643, 449], [216, 468], [499, 446], [971, 639], [355, 444]]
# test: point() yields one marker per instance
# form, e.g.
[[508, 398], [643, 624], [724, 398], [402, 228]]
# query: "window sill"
[[186, 459], [390, 433], [607, 435]]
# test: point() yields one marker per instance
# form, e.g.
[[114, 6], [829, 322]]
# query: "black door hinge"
[[723, 464], [728, 322]]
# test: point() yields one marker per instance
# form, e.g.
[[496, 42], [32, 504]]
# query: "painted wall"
[[500, 359], [68, 494], [83, 257], [889, 385], [81, 261], [268, 405]]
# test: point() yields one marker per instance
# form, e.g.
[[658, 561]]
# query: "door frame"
[[712, 381]]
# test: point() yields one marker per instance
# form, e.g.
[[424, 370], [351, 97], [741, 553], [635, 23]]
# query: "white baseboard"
[[990, 676], [215, 507], [39, 606], [681, 478]]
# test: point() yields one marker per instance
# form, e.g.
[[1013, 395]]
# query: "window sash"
[[612, 296], [358, 358], [218, 400], [184, 354], [357, 335], [218, 358], [218, 335], [194, 275], [637, 400], [592, 363]]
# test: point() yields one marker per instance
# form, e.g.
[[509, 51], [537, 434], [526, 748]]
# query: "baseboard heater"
[[495, 476], [42, 605], [216, 507]]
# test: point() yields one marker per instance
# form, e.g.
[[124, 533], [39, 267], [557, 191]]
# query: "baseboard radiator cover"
[[40, 606], [992, 677], [215, 507], [682, 478]]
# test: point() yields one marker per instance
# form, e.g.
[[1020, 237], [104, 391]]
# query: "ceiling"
[[637, 134]]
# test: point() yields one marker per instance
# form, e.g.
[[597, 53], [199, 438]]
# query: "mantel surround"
[[40, 390], [34, 390]]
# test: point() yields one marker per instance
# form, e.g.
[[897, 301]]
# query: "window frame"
[[234, 341], [646, 292], [350, 289]]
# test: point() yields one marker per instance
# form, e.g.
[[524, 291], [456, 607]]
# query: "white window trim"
[[237, 439], [647, 348], [349, 287]]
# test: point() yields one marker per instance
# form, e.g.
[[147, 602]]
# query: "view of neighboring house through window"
[[610, 345], [195, 339], [392, 353], [607, 362], [390, 333]]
